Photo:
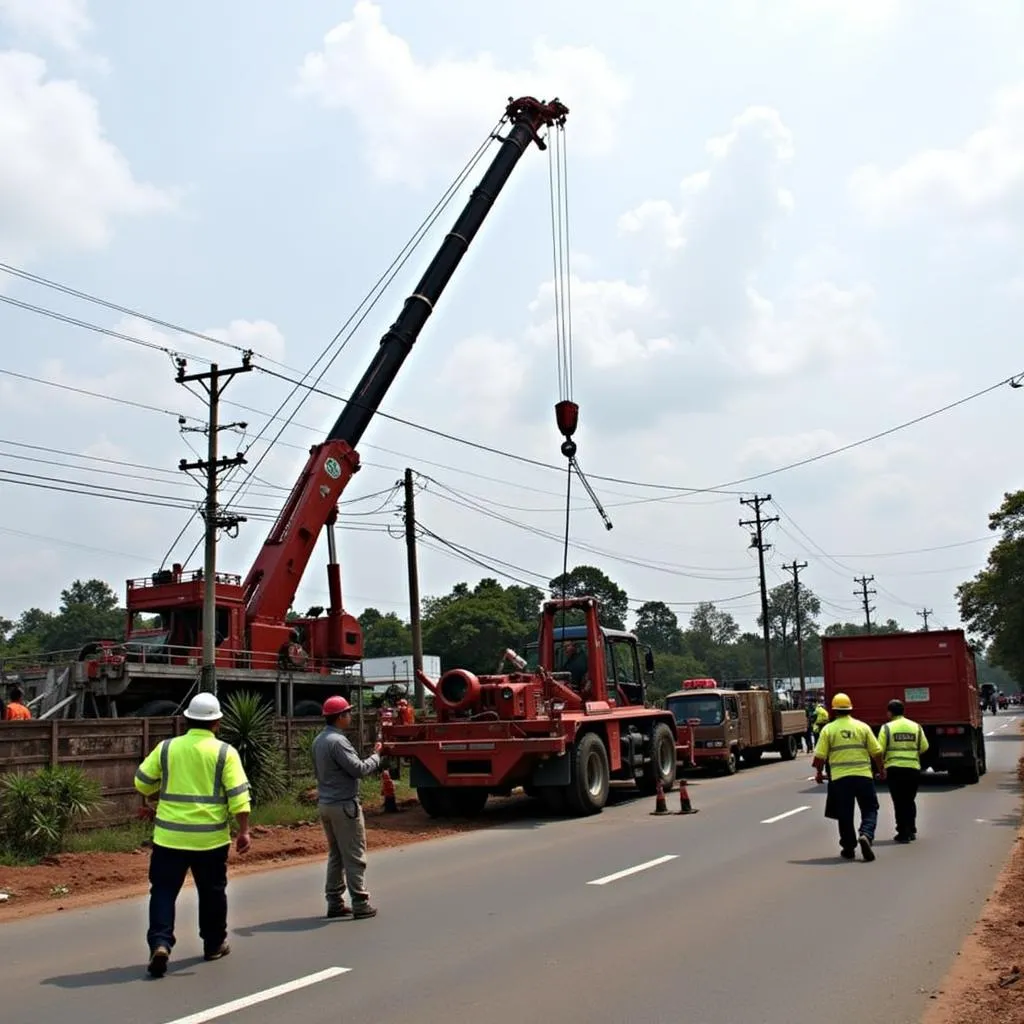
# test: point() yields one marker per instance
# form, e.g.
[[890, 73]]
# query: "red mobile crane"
[[151, 671]]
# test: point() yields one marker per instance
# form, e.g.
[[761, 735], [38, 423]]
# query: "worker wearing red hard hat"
[[338, 769]]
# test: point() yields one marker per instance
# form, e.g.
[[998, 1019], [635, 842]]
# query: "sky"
[[791, 226]]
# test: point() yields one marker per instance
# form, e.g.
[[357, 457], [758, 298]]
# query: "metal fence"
[[110, 749]]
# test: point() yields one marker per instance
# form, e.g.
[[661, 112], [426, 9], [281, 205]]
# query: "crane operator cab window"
[[622, 672], [573, 661]]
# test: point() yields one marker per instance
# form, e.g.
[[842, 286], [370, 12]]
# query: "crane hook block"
[[567, 416]]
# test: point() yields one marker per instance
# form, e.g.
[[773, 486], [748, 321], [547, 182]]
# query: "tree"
[[782, 613], [384, 635], [859, 628], [657, 625], [588, 581], [992, 604], [712, 626]]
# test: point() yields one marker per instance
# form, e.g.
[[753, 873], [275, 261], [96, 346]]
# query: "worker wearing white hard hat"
[[199, 783]]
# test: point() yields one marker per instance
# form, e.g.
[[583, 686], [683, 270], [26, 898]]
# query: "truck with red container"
[[564, 731], [933, 673], [735, 727]]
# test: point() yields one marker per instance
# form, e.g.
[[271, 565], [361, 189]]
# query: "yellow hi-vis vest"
[[848, 745], [201, 783], [820, 718], [903, 742]]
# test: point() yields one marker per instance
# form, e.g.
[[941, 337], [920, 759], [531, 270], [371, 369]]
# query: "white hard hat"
[[204, 707]]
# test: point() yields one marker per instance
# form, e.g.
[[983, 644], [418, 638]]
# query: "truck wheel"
[[587, 793], [308, 709], [732, 763], [435, 801], [982, 756], [662, 764], [468, 803], [787, 748]]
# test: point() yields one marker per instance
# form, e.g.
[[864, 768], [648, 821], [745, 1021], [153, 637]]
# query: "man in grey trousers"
[[338, 771]]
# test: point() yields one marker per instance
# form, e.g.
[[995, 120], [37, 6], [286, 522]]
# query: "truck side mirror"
[[649, 660]]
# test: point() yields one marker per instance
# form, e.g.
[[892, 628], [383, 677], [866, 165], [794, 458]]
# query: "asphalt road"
[[741, 913]]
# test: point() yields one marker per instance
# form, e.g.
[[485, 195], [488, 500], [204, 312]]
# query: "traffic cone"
[[387, 788], [685, 807], [660, 807]]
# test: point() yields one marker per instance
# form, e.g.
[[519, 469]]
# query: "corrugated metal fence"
[[110, 749]]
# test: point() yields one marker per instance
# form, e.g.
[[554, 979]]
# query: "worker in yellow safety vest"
[[903, 742], [820, 719], [199, 783], [849, 746]]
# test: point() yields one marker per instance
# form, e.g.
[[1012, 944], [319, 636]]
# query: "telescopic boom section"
[[274, 578]]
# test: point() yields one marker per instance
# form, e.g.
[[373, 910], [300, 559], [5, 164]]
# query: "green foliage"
[[249, 727], [657, 625], [38, 810], [588, 581], [992, 604], [384, 635]]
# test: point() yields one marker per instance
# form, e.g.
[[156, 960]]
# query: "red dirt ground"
[[986, 983], [91, 878]]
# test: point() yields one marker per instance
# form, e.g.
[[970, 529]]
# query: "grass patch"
[[369, 790], [286, 811], [116, 839]]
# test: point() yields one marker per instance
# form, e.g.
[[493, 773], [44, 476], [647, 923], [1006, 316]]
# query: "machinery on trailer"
[[152, 669], [735, 726], [563, 731]]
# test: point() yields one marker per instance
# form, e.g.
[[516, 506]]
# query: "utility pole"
[[795, 568], [864, 594], [924, 613], [759, 522], [214, 381], [414, 588]]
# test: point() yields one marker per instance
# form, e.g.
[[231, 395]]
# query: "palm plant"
[[38, 810], [248, 726]]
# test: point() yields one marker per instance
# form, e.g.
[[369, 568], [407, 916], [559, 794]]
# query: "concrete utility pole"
[[924, 613], [414, 587], [214, 381], [759, 522], [795, 568], [864, 594]]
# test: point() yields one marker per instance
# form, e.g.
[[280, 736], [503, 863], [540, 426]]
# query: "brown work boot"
[[339, 911], [158, 961], [360, 910], [215, 954]]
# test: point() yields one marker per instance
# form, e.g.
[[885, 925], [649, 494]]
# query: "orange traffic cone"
[[685, 807], [660, 807], [387, 788]]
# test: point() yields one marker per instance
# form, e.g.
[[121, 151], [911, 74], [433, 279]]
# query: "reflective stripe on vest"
[[200, 812], [847, 752], [902, 744]]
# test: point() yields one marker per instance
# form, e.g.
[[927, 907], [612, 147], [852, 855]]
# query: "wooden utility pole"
[[414, 587], [864, 594], [214, 381], [759, 522], [795, 568], [924, 613]]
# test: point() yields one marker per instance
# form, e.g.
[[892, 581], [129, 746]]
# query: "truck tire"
[[587, 793], [982, 756], [156, 709], [787, 748], [436, 801], [308, 709], [468, 803], [662, 764], [732, 764]]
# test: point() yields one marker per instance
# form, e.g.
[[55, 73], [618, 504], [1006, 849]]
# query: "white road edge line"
[[992, 733], [788, 814], [260, 997], [623, 874]]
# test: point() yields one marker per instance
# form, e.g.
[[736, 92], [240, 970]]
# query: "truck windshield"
[[707, 709]]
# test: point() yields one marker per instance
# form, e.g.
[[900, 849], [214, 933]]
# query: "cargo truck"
[[735, 727], [933, 673]]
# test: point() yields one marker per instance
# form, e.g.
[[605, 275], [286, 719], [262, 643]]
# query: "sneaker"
[[847, 854], [221, 951], [341, 911], [901, 839], [363, 910], [158, 961], [865, 848]]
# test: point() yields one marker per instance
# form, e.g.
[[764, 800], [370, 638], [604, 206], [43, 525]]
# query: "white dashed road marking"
[[787, 814], [633, 870]]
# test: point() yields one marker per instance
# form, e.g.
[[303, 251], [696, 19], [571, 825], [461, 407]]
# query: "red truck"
[[933, 673]]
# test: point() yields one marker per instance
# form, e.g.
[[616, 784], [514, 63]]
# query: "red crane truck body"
[[563, 737], [932, 672]]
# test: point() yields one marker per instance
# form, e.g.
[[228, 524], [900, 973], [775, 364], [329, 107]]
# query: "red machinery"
[[253, 635], [563, 735]]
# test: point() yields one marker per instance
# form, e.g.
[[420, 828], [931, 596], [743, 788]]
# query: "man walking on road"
[[338, 771], [200, 784], [903, 742], [849, 746]]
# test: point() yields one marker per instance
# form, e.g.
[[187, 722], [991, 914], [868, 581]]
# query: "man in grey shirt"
[[338, 771]]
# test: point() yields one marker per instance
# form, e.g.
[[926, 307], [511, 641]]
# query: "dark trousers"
[[843, 796], [809, 740], [167, 871], [903, 783]]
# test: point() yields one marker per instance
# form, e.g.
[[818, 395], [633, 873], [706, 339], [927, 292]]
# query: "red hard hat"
[[335, 706]]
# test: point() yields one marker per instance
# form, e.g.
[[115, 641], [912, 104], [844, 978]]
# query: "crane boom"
[[270, 587]]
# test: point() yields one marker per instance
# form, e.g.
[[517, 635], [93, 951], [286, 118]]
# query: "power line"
[[865, 595]]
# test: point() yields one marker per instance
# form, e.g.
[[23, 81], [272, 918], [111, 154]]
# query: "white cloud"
[[487, 374], [63, 184], [983, 177], [415, 113], [62, 23]]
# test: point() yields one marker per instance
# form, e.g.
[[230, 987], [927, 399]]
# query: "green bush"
[[304, 751], [249, 727], [38, 810]]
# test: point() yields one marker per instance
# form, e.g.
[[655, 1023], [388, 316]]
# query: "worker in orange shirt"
[[406, 715], [16, 711]]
